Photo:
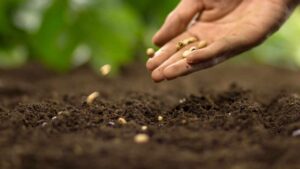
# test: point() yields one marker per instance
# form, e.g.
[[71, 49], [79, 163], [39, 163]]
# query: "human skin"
[[229, 26]]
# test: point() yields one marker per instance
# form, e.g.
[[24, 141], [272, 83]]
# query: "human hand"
[[229, 27]]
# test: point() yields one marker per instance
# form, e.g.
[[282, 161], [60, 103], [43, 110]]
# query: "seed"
[[150, 52], [44, 124], [193, 48], [144, 128], [160, 118], [182, 100], [186, 53], [90, 99], [122, 121], [189, 40], [63, 113], [54, 117], [179, 45], [105, 69], [141, 138], [202, 44]]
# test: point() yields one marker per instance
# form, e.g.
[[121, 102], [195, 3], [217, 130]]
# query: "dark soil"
[[237, 117]]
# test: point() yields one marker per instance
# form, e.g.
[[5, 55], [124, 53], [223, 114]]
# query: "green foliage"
[[63, 34]]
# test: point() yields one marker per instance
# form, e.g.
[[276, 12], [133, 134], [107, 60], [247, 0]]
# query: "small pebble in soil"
[[144, 128], [122, 121], [182, 100], [105, 69], [150, 52], [296, 133], [111, 123], [160, 118], [183, 121], [141, 138], [90, 99]]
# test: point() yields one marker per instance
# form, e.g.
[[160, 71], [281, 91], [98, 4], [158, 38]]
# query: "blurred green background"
[[64, 34]]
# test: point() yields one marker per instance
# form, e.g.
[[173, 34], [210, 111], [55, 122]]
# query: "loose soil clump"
[[229, 117]]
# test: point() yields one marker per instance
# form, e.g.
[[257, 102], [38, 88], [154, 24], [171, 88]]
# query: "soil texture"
[[228, 117]]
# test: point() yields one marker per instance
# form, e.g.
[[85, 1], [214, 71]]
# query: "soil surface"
[[228, 117]]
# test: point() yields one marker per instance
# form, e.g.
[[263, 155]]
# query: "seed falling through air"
[[105, 69]]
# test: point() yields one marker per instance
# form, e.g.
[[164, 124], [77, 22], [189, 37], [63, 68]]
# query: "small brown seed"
[[90, 99], [150, 52], [202, 44], [141, 138], [122, 121], [144, 128], [160, 118], [105, 69]]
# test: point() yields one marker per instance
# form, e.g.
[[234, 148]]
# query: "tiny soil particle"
[[230, 118]]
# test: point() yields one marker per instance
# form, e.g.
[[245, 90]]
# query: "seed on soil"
[[44, 124], [64, 113], [141, 138], [122, 121], [144, 128], [150, 52], [182, 100], [160, 118], [91, 98], [202, 44], [105, 69], [54, 118], [296, 133]]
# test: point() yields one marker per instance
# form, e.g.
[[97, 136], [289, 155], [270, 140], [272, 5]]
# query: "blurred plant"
[[63, 34]]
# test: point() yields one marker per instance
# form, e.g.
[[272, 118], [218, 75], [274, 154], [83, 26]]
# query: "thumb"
[[177, 21]]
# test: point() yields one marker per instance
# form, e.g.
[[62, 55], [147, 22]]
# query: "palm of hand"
[[229, 26]]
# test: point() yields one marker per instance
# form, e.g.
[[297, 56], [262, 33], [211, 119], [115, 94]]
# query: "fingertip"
[[157, 76], [172, 72], [150, 64], [157, 40]]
